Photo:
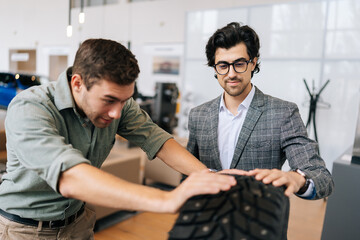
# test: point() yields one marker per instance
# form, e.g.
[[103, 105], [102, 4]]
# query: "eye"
[[107, 101], [222, 66], [239, 64]]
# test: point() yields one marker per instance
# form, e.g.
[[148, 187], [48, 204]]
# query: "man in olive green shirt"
[[59, 134]]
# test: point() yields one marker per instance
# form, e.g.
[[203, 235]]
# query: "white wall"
[[41, 24], [31, 25]]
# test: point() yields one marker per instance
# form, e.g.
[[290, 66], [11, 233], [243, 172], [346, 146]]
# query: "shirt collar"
[[63, 95], [64, 98], [246, 103]]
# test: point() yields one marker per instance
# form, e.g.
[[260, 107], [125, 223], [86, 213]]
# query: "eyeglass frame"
[[232, 64]]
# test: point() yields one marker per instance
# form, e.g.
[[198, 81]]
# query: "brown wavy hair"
[[231, 35], [102, 59]]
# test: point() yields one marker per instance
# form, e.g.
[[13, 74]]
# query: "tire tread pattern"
[[250, 210]]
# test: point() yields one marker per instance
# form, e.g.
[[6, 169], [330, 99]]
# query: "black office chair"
[[249, 210]]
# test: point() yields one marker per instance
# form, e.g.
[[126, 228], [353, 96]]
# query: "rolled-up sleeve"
[[137, 127]]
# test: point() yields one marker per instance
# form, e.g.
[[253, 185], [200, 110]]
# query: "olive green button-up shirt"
[[46, 136]]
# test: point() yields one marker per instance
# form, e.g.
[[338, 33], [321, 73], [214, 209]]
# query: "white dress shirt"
[[229, 128]]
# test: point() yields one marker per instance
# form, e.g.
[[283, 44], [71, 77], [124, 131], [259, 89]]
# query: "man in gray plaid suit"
[[249, 130]]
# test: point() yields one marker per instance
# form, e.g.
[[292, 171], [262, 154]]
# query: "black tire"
[[249, 210]]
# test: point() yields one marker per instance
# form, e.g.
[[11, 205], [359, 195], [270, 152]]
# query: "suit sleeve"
[[303, 153], [192, 146]]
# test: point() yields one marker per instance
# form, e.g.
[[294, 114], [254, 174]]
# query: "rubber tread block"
[[251, 210]]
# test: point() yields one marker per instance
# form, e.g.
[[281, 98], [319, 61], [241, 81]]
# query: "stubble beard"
[[235, 91]]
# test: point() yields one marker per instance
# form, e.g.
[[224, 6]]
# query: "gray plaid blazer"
[[273, 132]]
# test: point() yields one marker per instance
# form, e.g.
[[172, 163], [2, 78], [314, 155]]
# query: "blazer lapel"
[[251, 119], [213, 123]]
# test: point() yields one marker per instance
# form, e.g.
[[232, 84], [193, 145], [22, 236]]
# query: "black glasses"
[[239, 66]]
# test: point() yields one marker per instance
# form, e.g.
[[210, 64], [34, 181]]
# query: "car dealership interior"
[[309, 55]]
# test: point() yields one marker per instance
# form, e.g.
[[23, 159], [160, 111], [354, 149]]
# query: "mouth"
[[107, 121], [233, 82]]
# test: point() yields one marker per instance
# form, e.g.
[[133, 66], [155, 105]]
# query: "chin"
[[235, 93], [102, 125]]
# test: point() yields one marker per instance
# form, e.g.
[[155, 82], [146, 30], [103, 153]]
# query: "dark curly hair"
[[98, 59], [231, 35]]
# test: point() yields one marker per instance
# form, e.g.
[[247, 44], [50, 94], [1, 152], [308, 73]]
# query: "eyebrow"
[[115, 98], [237, 60]]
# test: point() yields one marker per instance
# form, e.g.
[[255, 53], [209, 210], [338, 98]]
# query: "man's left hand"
[[292, 180]]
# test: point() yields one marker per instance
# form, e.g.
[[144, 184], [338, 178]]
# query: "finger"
[[274, 176], [233, 171], [206, 177], [289, 190], [254, 172], [224, 179], [208, 183], [261, 174], [283, 180]]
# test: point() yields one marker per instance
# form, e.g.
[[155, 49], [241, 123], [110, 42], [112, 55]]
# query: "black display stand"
[[314, 99], [343, 207]]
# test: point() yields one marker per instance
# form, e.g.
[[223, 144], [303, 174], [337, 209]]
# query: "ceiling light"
[[69, 31]]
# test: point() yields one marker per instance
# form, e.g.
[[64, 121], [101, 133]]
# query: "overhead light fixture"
[[82, 14], [81, 17], [69, 31], [69, 27]]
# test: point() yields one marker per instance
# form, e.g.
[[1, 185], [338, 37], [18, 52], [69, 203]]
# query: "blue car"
[[11, 84]]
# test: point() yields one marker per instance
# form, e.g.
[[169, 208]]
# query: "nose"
[[231, 73], [115, 112]]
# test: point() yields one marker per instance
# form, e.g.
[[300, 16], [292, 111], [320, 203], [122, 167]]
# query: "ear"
[[76, 83], [254, 61]]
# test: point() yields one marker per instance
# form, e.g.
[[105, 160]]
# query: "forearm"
[[178, 158], [92, 185]]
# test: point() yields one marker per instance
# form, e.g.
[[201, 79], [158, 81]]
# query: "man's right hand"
[[201, 182]]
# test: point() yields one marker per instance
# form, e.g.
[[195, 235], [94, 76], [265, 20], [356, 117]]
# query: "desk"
[[342, 215], [144, 225]]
